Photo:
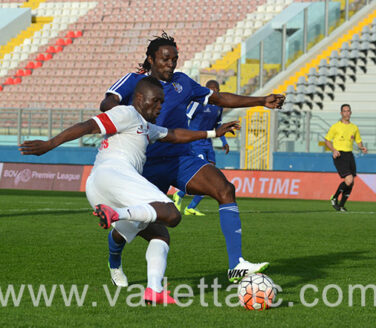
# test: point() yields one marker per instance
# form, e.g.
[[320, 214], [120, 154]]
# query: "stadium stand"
[[65, 59], [343, 72], [347, 74], [116, 31], [85, 68]]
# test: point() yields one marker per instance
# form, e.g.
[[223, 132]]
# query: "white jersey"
[[126, 136]]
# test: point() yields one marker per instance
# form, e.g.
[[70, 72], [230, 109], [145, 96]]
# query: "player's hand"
[[226, 148], [364, 150], [34, 147], [336, 154], [227, 127], [274, 101]]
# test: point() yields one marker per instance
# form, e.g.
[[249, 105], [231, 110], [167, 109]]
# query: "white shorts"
[[122, 187]]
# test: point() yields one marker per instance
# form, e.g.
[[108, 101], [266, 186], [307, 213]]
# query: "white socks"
[[156, 257], [141, 213]]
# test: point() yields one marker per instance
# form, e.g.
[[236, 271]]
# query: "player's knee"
[[156, 231], [227, 193], [349, 180], [175, 219], [164, 235], [117, 237], [166, 239], [174, 216]]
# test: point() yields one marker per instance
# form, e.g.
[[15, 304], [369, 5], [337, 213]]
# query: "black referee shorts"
[[345, 164]]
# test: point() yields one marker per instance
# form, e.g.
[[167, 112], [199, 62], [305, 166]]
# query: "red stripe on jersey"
[[107, 123]]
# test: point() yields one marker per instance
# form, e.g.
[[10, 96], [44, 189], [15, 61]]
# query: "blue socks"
[[181, 193], [115, 249], [231, 229], [195, 201]]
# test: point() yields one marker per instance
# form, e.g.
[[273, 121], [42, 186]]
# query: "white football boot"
[[118, 277], [244, 269]]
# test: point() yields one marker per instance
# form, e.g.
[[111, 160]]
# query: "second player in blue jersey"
[[206, 117]]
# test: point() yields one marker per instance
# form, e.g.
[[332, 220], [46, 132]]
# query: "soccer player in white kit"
[[128, 201]]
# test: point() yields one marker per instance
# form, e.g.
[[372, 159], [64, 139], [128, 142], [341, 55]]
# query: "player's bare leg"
[[212, 182], [165, 213]]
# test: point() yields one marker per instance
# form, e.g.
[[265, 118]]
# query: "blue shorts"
[[172, 171], [206, 154]]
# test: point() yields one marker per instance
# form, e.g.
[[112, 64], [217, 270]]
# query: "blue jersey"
[[179, 92], [204, 117]]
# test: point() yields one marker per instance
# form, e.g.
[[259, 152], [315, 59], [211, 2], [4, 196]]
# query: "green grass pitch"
[[51, 239]]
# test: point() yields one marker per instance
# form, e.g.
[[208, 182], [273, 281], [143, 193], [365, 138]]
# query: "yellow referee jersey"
[[343, 136]]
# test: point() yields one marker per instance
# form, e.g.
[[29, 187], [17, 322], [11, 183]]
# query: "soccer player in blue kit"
[[202, 118], [170, 164]]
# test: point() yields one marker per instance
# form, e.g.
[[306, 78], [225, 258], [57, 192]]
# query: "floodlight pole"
[[50, 123], [283, 53], [238, 76], [347, 10], [261, 70], [19, 125], [308, 116], [81, 119], [305, 31], [326, 15]]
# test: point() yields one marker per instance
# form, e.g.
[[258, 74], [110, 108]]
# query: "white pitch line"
[[351, 212]]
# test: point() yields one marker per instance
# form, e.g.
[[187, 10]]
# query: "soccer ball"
[[257, 292]]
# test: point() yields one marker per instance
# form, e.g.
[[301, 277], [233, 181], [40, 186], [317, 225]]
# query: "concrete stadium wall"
[[61, 155], [318, 162], [12, 21], [283, 161], [86, 156]]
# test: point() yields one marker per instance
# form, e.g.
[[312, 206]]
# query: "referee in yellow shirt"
[[339, 140]]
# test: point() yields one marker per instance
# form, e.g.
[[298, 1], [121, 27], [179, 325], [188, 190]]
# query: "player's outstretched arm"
[[39, 147], [226, 99], [184, 135], [109, 102]]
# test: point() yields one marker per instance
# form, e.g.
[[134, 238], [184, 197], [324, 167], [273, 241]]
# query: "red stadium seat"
[[58, 49], [68, 41], [1, 88], [70, 34], [27, 72], [48, 57], [30, 65], [60, 42], [9, 81], [51, 49], [40, 57], [78, 34], [20, 72], [38, 64], [17, 80]]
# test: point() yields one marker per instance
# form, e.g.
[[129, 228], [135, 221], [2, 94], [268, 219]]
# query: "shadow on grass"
[[308, 268], [45, 212], [42, 193], [303, 270]]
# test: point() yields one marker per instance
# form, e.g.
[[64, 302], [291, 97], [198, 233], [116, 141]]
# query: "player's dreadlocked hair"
[[163, 40]]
